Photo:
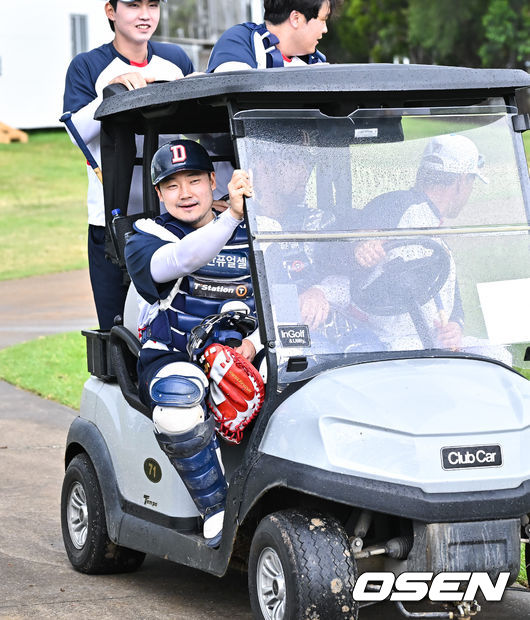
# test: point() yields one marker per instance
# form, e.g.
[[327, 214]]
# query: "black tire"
[[83, 524], [300, 566]]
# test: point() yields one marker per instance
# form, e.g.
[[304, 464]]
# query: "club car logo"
[[294, 335], [465, 457]]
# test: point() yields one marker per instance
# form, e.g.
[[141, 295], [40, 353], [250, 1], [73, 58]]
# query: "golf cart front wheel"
[[300, 565], [84, 528]]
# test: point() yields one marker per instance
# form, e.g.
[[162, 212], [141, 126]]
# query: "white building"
[[198, 24], [39, 39], [37, 42]]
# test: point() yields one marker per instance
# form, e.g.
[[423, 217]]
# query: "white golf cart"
[[378, 447]]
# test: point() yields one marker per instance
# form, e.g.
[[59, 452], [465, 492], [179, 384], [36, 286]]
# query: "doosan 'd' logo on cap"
[[179, 153]]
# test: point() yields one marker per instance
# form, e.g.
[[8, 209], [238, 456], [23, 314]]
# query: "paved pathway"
[[36, 579], [44, 305]]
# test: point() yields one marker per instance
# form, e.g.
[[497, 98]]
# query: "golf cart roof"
[[199, 103]]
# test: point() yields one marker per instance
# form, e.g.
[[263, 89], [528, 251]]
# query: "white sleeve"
[[255, 340], [232, 66], [85, 123], [336, 290], [178, 259]]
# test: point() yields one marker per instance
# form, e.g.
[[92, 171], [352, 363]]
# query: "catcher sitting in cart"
[[190, 268]]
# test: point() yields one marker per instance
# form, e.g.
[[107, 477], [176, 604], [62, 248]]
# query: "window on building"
[[206, 20], [79, 31]]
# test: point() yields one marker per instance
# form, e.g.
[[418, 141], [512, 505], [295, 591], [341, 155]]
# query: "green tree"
[[506, 34], [367, 31], [183, 18], [448, 32]]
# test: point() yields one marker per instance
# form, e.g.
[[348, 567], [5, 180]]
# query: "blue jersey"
[[91, 71], [87, 76], [400, 209], [253, 45]]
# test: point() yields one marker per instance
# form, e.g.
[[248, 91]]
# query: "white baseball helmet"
[[453, 153]]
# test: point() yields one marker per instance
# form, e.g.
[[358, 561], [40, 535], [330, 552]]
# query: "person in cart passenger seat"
[[186, 265]]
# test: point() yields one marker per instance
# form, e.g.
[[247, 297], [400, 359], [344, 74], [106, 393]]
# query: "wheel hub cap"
[[77, 515], [271, 585]]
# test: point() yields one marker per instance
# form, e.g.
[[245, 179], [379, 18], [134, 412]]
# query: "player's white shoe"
[[213, 528]]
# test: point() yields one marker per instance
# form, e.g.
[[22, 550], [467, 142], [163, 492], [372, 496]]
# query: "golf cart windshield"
[[388, 230]]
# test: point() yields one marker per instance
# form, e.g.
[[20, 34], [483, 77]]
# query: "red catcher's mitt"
[[236, 390]]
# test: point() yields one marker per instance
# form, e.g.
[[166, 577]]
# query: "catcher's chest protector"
[[203, 293]]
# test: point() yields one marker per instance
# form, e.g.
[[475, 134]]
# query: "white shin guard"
[[174, 413]]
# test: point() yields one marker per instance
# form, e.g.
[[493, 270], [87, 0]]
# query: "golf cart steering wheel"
[[349, 335], [404, 284]]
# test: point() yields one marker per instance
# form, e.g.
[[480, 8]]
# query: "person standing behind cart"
[[288, 37], [187, 264], [132, 60]]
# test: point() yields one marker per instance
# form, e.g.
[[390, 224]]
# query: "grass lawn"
[[523, 577], [54, 367], [43, 214]]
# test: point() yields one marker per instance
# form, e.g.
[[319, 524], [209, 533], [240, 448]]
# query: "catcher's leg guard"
[[189, 441], [194, 456], [178, 391]]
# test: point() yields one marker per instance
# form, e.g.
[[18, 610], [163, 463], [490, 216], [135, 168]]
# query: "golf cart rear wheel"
[[84, 528], [300, 566]]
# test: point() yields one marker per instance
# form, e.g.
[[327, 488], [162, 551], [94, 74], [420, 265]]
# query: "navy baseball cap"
[[179, 155]]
